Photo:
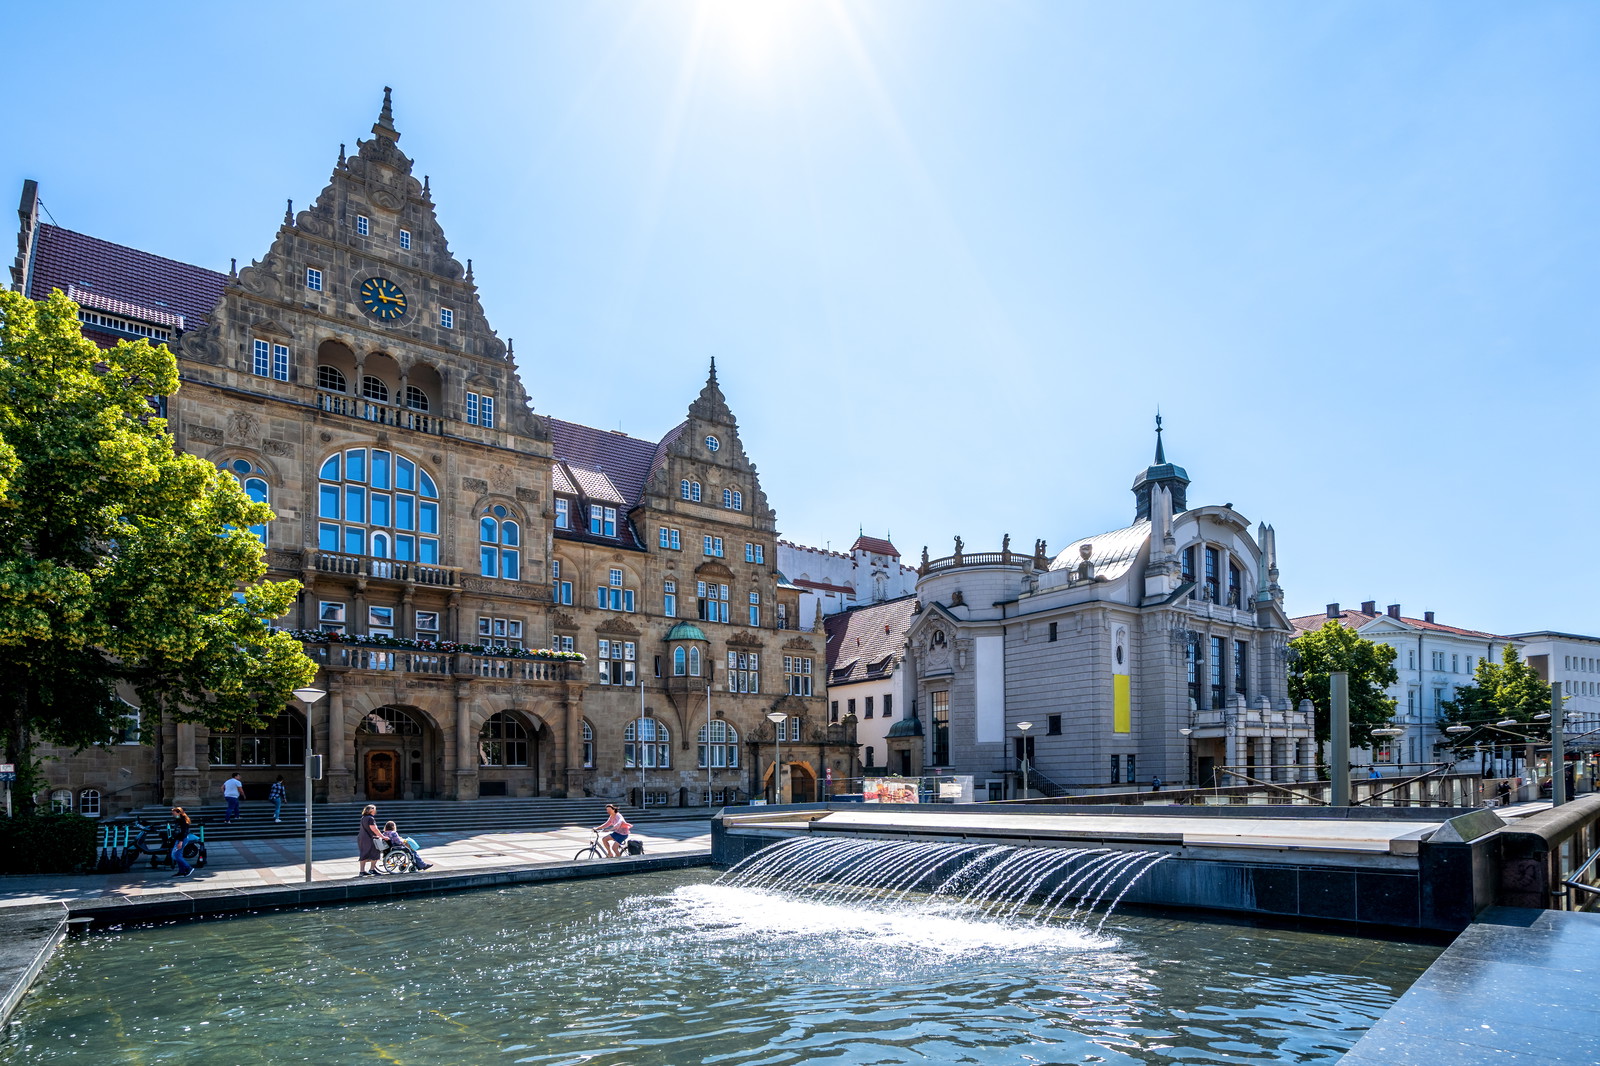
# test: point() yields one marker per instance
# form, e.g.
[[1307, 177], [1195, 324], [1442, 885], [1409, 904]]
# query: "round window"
[[712, 444], [499, 511]]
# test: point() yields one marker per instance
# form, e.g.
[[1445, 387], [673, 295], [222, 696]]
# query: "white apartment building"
[[830, 581], [1573, 660]]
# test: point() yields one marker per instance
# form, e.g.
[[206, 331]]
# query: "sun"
[[748, 32]]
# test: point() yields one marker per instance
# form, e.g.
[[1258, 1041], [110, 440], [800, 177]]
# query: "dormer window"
[[563, 513], [405, 239], [363, 226], [602, 520]]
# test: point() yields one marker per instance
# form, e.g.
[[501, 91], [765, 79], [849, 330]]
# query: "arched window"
[[694, 662], [281, 743], [89, 803], [331, 378], [723, 745], [61, 801], [499, 541], [647, 744], [374, 389], [416, 399], [372, 501], [253, 478], [679, 662], [503, 741], [389, 722], [588, 744]]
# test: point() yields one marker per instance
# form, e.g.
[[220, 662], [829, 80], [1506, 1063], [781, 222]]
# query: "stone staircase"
[[495, 815]]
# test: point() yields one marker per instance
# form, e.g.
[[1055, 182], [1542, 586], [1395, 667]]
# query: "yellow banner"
[[1121, 704]]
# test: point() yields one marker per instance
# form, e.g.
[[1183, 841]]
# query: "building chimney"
[[1333, 610], [1427, 616], [1394, 610], [1369, 606]]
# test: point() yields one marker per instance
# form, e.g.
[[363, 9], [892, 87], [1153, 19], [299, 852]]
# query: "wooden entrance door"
[[383, 775]]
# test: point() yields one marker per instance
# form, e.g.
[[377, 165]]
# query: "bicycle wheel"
[[591, 852]]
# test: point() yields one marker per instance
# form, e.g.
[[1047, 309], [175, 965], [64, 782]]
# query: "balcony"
[[387, 569], [382, 413], [1259, 720], [349, 657]]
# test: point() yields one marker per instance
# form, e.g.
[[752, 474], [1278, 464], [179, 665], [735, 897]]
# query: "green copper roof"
[[685, 631], [906, 727]]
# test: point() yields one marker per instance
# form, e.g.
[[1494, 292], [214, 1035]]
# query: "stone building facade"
[[1155, 650], [830, 581], [490, 592]]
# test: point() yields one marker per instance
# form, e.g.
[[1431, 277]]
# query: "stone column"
[[569, 749], [339, 785], [185, 774], [465, 764]]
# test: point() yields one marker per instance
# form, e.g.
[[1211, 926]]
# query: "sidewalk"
[[244, 864]]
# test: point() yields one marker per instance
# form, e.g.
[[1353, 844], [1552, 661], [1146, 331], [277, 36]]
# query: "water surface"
[[670, 968]]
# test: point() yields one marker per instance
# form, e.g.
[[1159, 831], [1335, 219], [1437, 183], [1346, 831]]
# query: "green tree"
[[123, 562], [1506, 689], [1321, 652]]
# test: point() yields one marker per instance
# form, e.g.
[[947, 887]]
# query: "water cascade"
[[991, 882]]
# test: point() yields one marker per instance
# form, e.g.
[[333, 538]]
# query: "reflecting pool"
[[671, 968]]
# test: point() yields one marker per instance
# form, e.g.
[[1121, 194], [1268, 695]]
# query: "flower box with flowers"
[[442, 647]]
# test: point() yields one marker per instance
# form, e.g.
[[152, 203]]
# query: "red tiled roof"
[[1356, 619], [97, 302], [63, 259], [866, 642], [626, 461], [875, 546], [823, 586]]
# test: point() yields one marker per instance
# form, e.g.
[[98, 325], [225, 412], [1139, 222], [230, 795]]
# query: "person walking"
[[182, 833], [367, 838], [232, 793], [279, 791], [1155, 784]]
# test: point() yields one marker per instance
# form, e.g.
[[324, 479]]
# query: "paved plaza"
[[281, 862]]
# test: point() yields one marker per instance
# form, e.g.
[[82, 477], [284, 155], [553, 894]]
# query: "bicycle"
[[594, 851]]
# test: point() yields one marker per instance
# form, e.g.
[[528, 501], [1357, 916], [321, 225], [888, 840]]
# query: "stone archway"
[[397, 754], [514, 749]]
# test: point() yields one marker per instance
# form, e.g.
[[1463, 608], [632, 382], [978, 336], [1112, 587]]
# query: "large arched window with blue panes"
[[254, 480], [377, 503], [499, 544]]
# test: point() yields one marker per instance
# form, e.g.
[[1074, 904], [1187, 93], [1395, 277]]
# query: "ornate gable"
[[691, 454]]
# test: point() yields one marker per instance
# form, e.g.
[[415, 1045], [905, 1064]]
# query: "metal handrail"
[[1574, 882], [1441, 768], [1273, 784]]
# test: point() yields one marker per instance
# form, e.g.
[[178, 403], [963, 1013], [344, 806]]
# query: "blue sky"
[[950, 257]]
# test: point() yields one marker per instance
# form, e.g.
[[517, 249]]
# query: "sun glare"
[[750, 32]]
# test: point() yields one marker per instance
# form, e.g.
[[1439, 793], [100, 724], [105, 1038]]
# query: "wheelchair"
[[397, 858]]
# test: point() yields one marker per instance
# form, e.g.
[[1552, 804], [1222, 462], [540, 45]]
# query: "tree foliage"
[[1325, 651], [123, 562], [1506, 689]]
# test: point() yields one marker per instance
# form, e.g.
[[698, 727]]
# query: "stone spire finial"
[[712, 380], [233, 269], [384, 127], [1161, 453], [288, 213], [469, 270], [427, 193], [341, 153]]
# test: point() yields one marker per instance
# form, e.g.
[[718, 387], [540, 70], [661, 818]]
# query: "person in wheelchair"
[[391, 836]]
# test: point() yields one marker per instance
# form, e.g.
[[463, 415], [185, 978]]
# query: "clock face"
[[382, 299]]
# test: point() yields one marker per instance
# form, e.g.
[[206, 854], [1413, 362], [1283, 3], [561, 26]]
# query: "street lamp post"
[[1023, 728], [310, 696], [777, 718], [1188, 756]]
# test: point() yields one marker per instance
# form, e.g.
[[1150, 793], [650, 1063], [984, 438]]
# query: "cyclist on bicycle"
[[616, 828]]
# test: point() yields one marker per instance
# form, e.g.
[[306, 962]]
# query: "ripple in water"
[[673, 969]]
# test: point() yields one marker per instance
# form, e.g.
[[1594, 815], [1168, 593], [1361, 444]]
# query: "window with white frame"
[[416, 399], [733, 499], [378, 503], [499, 545], [363, 225], [671, 539], [797, 675], [694, 661], [280, 362], [427, 624], [374, 389], [89, 803], [713, 601], [612, 596], [680, 662], [447, 318], [713, 546], [563, 643], [61, 801], [380, 621], [646, 744], [563, 513], [744, 671], [602, 520], [313, 279], [405, 239], [480, 409], [500, 632], [330, 616], [560, 588], [689, 490], [719, 746], [755, 608], [262, 364], [669, 598], [793, 725], [755, 553], [616, 662]]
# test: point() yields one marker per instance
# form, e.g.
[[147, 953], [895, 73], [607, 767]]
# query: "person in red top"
[[617, 829]]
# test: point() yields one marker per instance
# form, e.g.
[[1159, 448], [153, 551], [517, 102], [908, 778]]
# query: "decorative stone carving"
[[242, 425], [277, 447], [527, 495], [206, 434], [476, 485]]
